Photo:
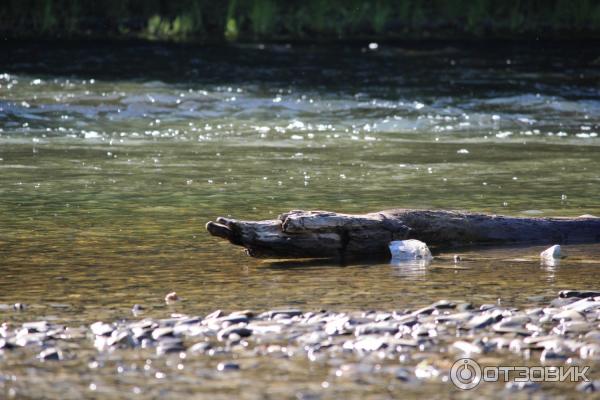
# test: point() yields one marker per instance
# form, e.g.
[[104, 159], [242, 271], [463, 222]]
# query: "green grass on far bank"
[[301, 20]]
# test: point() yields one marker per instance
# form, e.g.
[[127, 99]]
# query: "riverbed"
[[114, 156]]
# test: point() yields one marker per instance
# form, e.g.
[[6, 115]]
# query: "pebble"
[[481, 321], [240, 331], [467, 348], [228, 366], [578, 293], [50, 353], [589, 387], [171, 297], [568, 315]]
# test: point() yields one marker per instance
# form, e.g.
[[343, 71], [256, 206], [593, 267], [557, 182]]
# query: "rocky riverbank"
[[409, 346]]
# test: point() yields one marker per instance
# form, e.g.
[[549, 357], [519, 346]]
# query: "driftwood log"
[[322, 234]]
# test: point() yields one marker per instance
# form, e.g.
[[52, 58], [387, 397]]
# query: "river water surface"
[[113, 157]]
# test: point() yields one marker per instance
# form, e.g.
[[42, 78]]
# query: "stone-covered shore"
[[416, 345]]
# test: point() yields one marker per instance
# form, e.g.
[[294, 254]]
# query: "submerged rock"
[[407, 250], [551, 254], [51, 353]]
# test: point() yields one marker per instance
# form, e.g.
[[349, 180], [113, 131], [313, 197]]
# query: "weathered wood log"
[[322, 234]]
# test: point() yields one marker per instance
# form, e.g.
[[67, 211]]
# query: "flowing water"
[[114, 156]]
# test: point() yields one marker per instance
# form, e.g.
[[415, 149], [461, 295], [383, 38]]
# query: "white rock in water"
[[551, 253], [411, 249]]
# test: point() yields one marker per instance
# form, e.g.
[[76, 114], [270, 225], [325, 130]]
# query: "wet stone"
[[228, 366], [51, 353], [482, 321], [378, 328], [39, 326], [551, 355], [568, 315], [214, 314], [583, 305], [467, 347], [119, 337], [101, 329], [572, 327], [161, 332], [240, 331], [578, 293], [169, 345], [287, 313], [403, 374], [200, 347], [589, 387]]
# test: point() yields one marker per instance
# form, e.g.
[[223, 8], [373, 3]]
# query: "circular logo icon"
[[465, 373]]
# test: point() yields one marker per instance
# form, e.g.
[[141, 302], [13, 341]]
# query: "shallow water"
[[113, 157]]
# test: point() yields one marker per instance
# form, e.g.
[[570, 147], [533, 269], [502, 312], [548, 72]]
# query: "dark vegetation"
[[300, 20]]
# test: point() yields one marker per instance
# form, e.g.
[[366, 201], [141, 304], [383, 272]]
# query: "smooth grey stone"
[[377, 328], [214, 314], [339, 326], [232, 320], [169, 345], [367, 343], [28, 339], [288, 313], [515, 321], [590, 351], [140, 333], [408, 320], [200, 347], [228, 366], [499, 342], [424, 311], [407, 342], [241, 331], [403, 374], [467, 347], [592, 335], [572, 327], [551, 354], [163, 331], [568, 315], [578, 293], [589, 387], [383, 316], [189, 321], [137, 309], [560, 302], [464, 307], [245, 313], [38, 326], [480, 321], [119, 337], [444, 305], [168, 322], [499, 328], [51, 353], [534, 312], [583, 305], [460, 317], [101, 329]]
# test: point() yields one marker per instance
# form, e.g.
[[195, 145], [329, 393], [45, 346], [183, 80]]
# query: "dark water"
[[112, 159]]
